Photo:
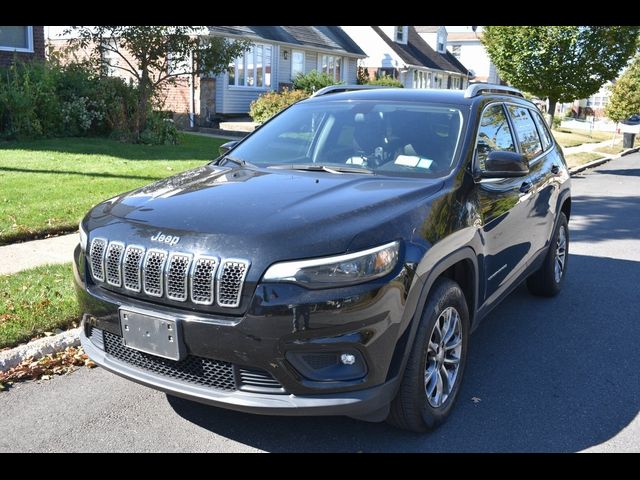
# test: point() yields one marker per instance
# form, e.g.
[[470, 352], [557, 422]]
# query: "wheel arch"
[[462, 267]]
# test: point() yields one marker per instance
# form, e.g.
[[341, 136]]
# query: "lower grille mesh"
[[196, 370]]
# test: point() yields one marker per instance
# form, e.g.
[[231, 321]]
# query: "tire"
[[545, 282], [412, 408]]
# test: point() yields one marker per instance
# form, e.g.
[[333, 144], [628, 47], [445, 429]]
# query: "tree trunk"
[[144, 89], [552, 110]]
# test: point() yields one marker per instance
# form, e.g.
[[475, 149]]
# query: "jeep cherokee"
[[334, 261]]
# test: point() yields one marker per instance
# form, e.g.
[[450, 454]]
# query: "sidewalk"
[[22, 256], [588, 147]]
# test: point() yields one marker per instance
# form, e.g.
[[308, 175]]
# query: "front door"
[[504, 207]]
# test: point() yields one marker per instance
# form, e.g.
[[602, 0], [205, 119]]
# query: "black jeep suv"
[[335, 261]]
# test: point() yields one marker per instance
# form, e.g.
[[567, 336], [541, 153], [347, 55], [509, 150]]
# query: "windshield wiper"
[[237, 161], [317, 167]]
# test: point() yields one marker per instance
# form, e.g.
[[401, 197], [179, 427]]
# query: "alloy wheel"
[[443, 357]]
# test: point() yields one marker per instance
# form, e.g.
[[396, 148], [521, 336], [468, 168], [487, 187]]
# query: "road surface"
[[544, 375]]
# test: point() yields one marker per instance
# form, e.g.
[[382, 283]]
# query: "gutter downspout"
[[192, 103]]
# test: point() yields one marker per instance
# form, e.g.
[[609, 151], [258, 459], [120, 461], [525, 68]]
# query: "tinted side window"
[[542, 129], [526, 131], [494, 133]]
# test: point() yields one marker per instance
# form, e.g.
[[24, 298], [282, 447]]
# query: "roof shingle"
[[324, 37]]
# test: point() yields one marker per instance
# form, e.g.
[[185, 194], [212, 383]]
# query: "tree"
[[155, 56], [561, 63], [625, 94]]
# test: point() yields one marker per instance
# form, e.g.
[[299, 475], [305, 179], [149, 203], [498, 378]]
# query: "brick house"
[[24, 42], [278, 54]]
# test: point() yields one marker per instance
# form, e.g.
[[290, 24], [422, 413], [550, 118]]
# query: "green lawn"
[[36, 301], [572, 138], [576, 159], [46, 186]]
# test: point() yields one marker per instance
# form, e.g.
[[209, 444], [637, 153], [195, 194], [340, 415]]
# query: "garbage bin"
[[628, 139]]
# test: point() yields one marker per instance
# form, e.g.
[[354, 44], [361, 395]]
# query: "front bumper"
[[358, 403], [369, 320]]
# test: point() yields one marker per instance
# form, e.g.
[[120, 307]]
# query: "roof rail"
[[476, 89], [345, 88]]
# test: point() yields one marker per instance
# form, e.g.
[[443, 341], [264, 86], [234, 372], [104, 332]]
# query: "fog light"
[[347, 359], [329, 366]]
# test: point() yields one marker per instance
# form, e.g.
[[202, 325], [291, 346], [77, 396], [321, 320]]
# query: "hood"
[[263, 215]]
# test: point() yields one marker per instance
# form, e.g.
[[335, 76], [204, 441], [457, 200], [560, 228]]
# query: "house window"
[[109, 60], [176, 65], [253, 69], [331, 65], [440, 44], [18, 39], [399, 34], [455, 50], [297, 63]]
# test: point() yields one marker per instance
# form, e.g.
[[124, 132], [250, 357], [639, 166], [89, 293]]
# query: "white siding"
[[284, 66], [352, 71], [310, 61], [379, 54]]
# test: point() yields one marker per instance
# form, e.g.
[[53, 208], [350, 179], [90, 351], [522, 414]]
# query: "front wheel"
[[548, 280], [435, 367]]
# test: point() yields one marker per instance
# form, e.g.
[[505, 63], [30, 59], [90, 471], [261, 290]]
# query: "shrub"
[[556, 122], [386, 81], [313, 81], [50, 99], [271, 103], [28, 104], [159, 130], [362, 75]]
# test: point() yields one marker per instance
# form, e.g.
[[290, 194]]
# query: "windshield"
[[391, 138]]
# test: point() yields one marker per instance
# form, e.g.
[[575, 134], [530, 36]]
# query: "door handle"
[[555, 169], [525, 187]]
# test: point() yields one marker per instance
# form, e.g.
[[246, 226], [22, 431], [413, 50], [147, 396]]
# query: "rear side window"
[[545, 136], [530, 144], [494, 133]]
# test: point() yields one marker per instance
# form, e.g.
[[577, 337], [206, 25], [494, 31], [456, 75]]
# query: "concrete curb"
[[600, 161], [39, 348]]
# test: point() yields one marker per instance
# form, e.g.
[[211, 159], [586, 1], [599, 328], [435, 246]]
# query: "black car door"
[[504, 205], [541, 189]]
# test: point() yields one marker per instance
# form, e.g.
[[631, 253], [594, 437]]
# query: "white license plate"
[[151, 333]]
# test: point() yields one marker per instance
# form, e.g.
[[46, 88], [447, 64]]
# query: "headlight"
[[83, 237], [337, 271]]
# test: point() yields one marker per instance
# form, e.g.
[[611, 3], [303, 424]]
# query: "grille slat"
[[112, 263], [177, 270], [203, 277], [153, 272], [96, 253], [132, 265], [195, 370], [232, 275], [258, 380]]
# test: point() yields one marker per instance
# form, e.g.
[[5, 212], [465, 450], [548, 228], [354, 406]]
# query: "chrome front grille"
[[231, 281], [177, 272], [113, 262], [202, 280], [98, 246], [132, 266], [177, 276], [152, 272]]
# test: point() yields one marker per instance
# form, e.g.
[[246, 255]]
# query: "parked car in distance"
[[335, 261]]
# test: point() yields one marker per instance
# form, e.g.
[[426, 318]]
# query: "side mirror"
[[225, 147], [502, 164]]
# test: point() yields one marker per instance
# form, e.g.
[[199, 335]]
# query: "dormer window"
[[440, 44], [400, 35]]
